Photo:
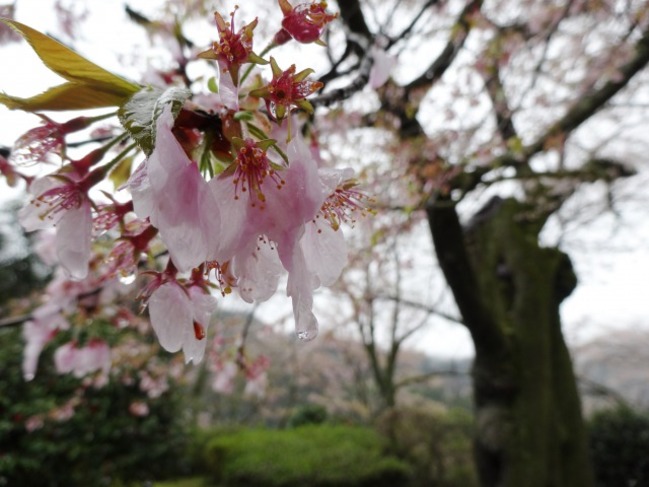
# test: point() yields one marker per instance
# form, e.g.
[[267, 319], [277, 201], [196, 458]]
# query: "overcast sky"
[[611, 257]]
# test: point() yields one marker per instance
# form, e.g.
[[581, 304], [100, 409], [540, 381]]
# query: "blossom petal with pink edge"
[[234, 229], [171, 315], [171, 192]]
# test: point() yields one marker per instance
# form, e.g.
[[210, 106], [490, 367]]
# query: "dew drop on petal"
[[127, 279], [307, 335]]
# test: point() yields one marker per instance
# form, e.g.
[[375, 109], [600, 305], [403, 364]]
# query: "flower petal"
[[257, 272], [325, 251], [171, 315], [73, 240]]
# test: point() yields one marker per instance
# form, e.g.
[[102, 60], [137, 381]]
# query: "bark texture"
[[508, 288]]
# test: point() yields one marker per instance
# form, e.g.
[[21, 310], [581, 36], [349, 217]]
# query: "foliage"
[[619, 445], [314, 455], [437, 443], [103, 439], [308, 414]]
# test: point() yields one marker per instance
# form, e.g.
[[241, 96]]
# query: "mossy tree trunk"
[[530, 430]]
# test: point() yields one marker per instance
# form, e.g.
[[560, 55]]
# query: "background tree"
[[497, 115], [508, 105]]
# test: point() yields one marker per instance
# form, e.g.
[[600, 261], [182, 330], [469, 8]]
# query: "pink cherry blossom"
[[305, 22], [224, 375], [169, 190], [37, 332], [271, 216], [62, 202], [81, 361]]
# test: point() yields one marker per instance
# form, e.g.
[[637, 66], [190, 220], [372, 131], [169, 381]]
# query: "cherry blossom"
[[304, 22], [287, 89], [81, 361], [62, 202], [37, 332], [38, 144], [234, 48]]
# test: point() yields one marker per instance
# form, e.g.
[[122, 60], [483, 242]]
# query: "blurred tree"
[[498, 113], [511, 139]]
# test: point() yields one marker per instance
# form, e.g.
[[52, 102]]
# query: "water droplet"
[[29, 377], [126, 279], [307, 335]]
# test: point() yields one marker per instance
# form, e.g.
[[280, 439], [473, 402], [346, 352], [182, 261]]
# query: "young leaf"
[[68, 96], [90, 86], [140, 113]]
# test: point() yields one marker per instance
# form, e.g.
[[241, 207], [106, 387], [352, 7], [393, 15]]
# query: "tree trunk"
[[530, 430]]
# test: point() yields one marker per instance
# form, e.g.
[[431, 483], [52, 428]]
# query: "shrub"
[[619, 445], [100, 443], [318, 456], [308, 414], [437, 444]]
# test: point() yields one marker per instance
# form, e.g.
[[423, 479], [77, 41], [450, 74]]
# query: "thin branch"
[[591, 103], [417, 379], [406, 32], [459, 34], [15, 320], [419, 306]]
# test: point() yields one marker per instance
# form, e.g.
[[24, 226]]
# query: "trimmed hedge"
[[313, 455], [619, 445]]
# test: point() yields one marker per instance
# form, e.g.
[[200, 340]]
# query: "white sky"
[[611, 258]]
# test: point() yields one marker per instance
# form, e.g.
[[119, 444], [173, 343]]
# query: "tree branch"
[[589, 104], [459, 33]]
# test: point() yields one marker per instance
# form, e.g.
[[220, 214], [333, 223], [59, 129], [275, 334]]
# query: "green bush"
[[101, 443], [437, 444], [619, 445], [314, 455], [308, 414]]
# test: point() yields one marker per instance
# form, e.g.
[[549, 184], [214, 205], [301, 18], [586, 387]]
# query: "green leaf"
[[70, 65], [68, 96], [89, 86], [140, 113]]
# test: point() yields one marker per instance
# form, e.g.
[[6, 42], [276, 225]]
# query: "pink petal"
[[325, 252], [65, 358], [73, 240], [31, 216], [171, 315], [234, 228], [257, 272], [297, 202], [172, 193], [36, 335], [300, 287], [203, 306]]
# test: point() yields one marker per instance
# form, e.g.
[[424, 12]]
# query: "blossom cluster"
[[231, 194]]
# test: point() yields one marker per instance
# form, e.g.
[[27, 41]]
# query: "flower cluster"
[[219, 204]]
